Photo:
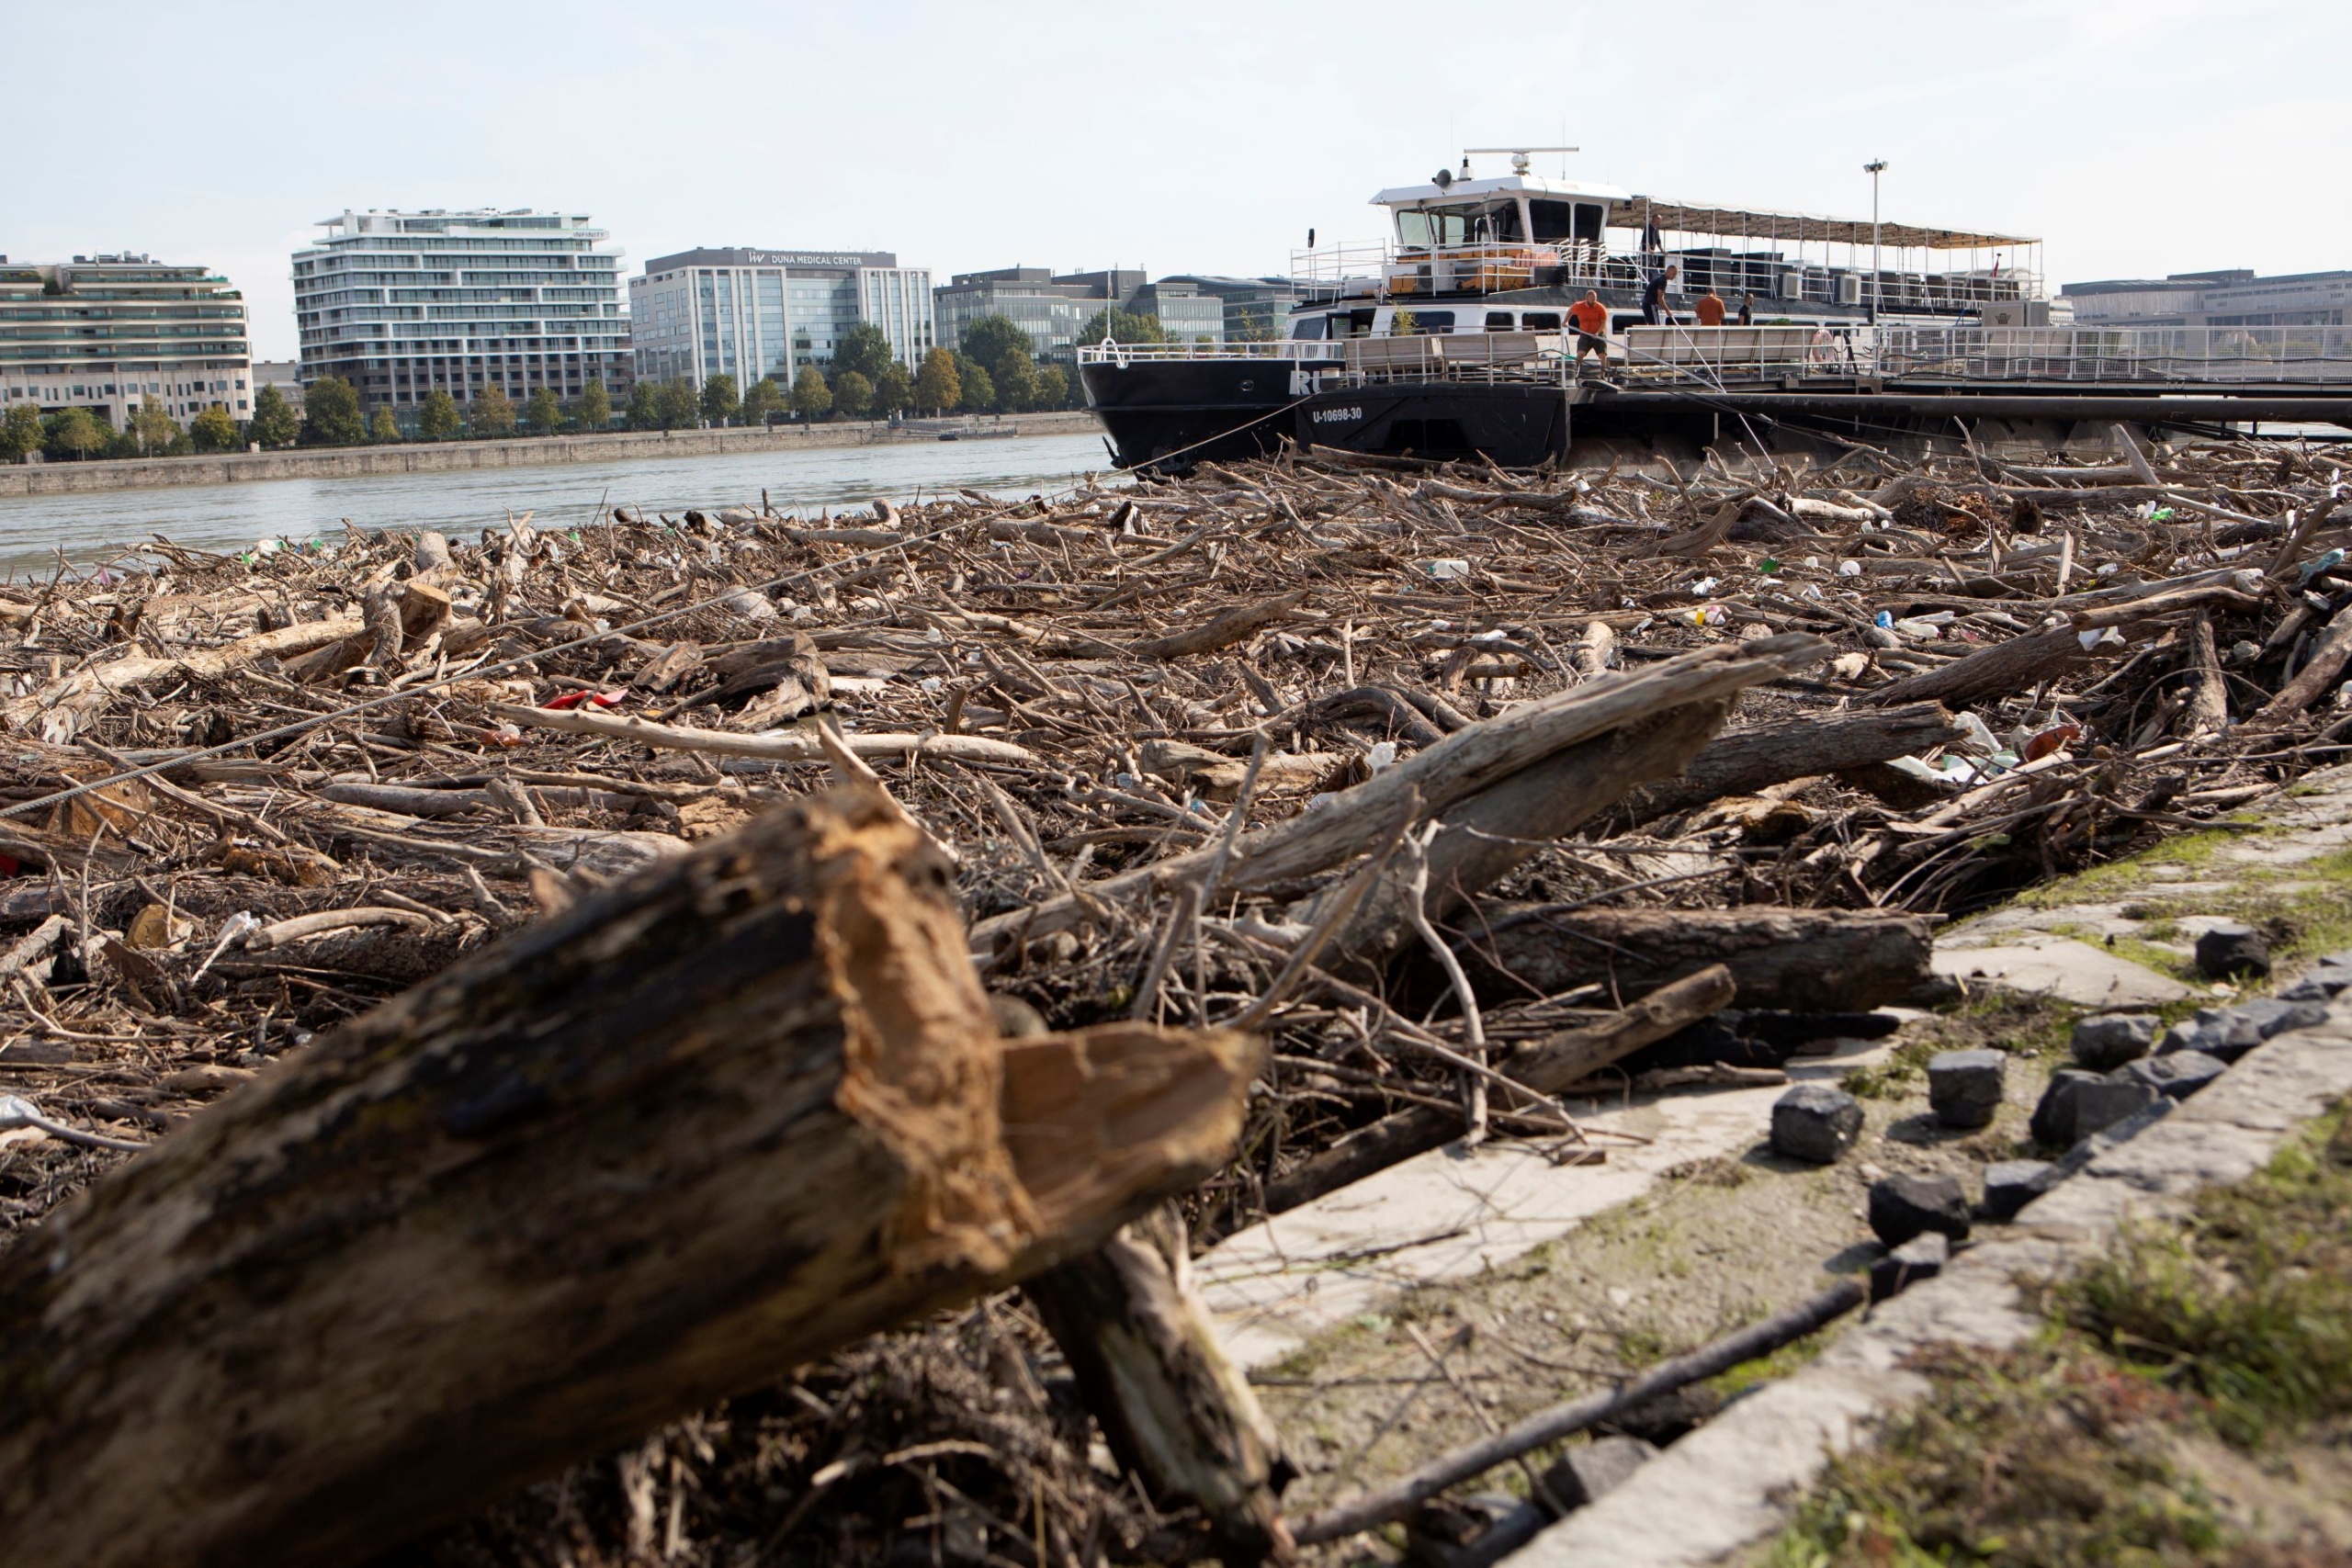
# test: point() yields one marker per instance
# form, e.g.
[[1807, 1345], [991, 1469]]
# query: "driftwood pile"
[[573, 925]]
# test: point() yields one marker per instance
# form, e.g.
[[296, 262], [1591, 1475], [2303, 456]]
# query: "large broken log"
[[1797, 960], [1173, 1408], [1743, 761], [1289, 858], [717, 1120], [1546, 1066], [1493, 832]]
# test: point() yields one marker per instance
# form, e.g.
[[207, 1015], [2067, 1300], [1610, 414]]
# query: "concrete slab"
[[2061, 968], [1452, 1212], [1727, 1485]]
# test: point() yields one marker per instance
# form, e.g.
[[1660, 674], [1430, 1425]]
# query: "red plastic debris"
[[573, 699], [2050, 740]]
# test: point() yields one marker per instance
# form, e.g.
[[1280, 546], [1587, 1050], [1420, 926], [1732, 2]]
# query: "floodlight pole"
[[1874, 168]]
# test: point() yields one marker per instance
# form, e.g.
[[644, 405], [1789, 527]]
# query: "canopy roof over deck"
[[1754, 223]]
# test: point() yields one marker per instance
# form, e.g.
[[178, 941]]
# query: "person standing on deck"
[[1654, 297], [1710, 308], [1591, 319], [1747, 310]]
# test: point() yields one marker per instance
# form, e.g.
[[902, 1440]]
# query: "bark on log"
[[713, 1121], [1287, 858], [1172, 1407], [1796, 959], [1223, 632], [2321, 670], [1547, 1065], [1746, 761], [1493, 832], [2001, 671], [2207, 709]]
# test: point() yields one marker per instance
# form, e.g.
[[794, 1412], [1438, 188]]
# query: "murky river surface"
[[90, 528]]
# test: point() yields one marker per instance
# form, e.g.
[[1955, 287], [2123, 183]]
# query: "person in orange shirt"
[[1710, 308], [1591, 319]]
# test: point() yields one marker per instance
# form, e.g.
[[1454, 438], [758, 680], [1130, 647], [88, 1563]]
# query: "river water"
[[93, 528]]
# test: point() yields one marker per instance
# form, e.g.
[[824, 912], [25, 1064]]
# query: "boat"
[[1450, 339]]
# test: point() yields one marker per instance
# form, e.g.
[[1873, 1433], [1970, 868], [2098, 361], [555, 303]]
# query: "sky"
[[2137, 137]]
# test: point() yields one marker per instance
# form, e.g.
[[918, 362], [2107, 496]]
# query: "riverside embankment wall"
[[352, 462]]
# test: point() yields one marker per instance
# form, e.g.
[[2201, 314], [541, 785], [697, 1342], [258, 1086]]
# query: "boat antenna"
[[1522, 158]]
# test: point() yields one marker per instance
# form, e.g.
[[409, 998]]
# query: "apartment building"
[[402, 304], [106, 332]]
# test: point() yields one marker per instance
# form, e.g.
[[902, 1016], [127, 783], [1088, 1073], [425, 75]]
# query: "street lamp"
[[1874, 168]]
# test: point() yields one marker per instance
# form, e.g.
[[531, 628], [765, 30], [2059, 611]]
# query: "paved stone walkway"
[[1720, 1490]]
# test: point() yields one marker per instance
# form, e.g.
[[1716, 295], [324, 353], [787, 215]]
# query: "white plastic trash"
[[1445, 567]]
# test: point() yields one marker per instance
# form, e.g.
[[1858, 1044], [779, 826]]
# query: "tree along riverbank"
[[352, 462]]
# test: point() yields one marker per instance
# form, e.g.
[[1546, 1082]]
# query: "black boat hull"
[[1171, 414]]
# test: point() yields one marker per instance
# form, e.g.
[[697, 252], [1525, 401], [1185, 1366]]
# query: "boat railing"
[[2314, 354], [1108, 353]]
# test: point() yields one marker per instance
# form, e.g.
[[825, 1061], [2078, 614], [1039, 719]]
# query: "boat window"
[[1554, 221], [1499, 321], [1540, 321], [1437, 225], [1589, 217], [1499, 224], [1312, 327]]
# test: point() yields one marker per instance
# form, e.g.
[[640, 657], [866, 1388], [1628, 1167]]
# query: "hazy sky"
[[2137, 136]]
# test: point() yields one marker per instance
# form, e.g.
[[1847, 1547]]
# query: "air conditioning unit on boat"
[[1849, 288], [1792, 283]]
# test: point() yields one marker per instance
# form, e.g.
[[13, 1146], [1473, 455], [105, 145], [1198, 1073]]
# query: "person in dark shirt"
[[1747, 310], [1654, 297]]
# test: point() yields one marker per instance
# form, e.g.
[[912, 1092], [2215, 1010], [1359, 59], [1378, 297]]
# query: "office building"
[[750, 314], [400, 304], [1254, 308], [1052, 309], [286, 375], [106, 332], [2229, 298], [1055, 307]]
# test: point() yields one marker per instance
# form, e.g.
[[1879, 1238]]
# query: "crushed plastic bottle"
[[1705, 586], [1850, 569], [2318, 564], [1883, 618], [1384, 755]]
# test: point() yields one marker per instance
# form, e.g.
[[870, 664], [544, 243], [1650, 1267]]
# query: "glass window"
[[1538, 320], [1312, 327], [1553, 220], [1499, 321]]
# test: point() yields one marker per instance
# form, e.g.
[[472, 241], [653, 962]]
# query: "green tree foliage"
[[762, 399], [594, 408], [979, 386], [275, 424], [542, 413], [1053, 386], [1122, 327], [492, 414], [645, 406], [151, 428], [214, 430], [79, 432], [20, 432], [852, 394], [864, 348], [940, 387], [385, 427], [993, 342], [894, 390], [437, 417], [811, 398], [331, 414], [1016, 384], [679, 405], [719, 402]]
